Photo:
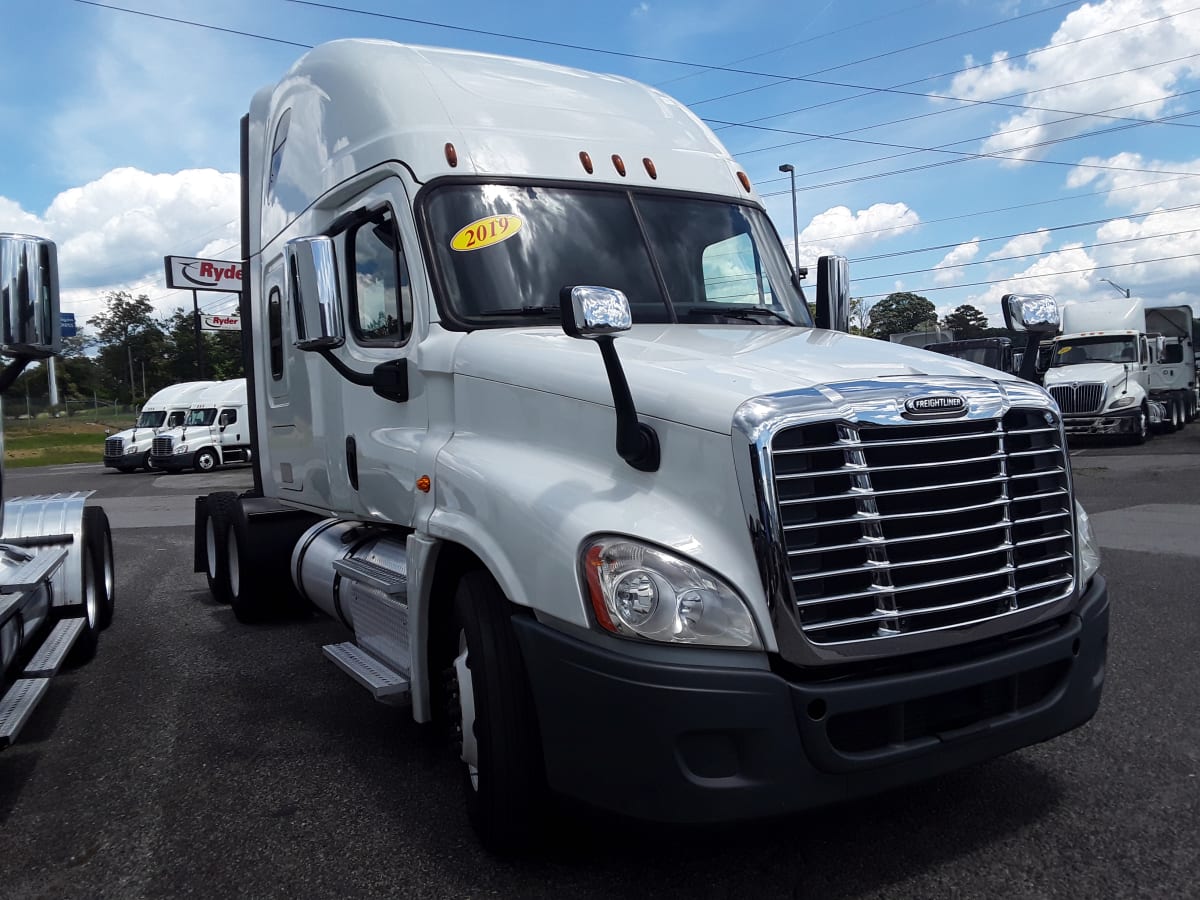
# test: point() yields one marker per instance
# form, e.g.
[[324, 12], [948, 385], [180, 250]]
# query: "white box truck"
[[57, 585], [129, 450], [215, 432], [739, 566]]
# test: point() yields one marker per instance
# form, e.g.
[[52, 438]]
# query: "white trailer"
[[215, 432], [57, 583], [813, 566], [129, 450]]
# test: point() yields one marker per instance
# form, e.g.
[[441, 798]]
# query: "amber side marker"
[[586, 160], [650, 169], [619, 164], [451, 155], [742, 177], [423, 484]]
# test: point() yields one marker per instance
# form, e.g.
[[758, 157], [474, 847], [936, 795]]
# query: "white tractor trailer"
[[540, 415]]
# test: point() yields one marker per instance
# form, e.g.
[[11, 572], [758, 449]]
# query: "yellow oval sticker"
[[486, 232]]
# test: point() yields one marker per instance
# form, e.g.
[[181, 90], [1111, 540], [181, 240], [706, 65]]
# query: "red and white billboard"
[[221, 323], [190, 274]]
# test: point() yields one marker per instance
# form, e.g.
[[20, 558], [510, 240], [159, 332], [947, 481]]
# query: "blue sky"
[[1045, 145]]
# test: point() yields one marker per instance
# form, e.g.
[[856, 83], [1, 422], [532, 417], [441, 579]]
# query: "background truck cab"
[[215, 431], [128, 450]]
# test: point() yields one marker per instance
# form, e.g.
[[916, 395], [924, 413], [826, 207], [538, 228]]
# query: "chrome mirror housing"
[[311, 270], [1032, 313], [592, 312], [833, 293], [29, 302]]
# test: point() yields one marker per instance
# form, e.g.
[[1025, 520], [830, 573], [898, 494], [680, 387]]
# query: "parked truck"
[[214, 432], [740, 567], [1173, 369], [1099, 370], [57, 582], [129, 450]]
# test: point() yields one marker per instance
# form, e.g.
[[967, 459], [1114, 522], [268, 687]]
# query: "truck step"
[[34, 571], [385, 683], [368, 573], [16, 705], [49, 658]]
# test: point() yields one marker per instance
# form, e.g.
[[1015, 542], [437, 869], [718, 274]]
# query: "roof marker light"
[[586, 160], [650, 169], [619, 164], [451, 155], [742, 177]]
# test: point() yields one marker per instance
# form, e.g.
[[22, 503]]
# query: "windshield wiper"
[[738, 312], [524, 311]]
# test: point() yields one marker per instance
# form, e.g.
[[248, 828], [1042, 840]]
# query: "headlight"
[[641, 591], [1122, 402], [182, 448], [1089, 547], [132, 448]]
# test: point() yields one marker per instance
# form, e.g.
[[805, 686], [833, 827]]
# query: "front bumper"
[[1124, 421], [687, 743], [172, 462], [127, 461]]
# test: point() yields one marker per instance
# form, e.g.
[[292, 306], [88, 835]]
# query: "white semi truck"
[[57, 585], [1101, 371], [214, 432], [813, 566], [1173, 370], [129, 450]]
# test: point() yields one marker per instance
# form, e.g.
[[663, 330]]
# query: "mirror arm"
[[389, 379], [637, 442], [1029, 360], [11, 372]]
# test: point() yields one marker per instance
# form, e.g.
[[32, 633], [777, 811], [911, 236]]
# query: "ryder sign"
[[220, 323], [190, 274]]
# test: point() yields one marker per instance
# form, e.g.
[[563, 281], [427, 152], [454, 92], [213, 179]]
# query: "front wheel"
[[206, 460], [493, 719], [1142, 428]]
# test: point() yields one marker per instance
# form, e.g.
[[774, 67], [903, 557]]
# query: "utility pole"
[[791, 170]]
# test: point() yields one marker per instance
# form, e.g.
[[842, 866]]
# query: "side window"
[[281, 133], [175, 419], [732, 273], [275, 332], [381, 295], [1172, 353], [228, 416]]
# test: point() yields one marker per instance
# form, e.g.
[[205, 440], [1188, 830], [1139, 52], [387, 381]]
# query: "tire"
[[1141, 435], [216, 534], [97, 536], [262, 591], [85, 645], [490, 701], [205, 460]]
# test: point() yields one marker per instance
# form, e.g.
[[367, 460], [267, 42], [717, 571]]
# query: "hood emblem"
[[935, 406]]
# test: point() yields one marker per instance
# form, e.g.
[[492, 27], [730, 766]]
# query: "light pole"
[[1124, 291], [791, 170]]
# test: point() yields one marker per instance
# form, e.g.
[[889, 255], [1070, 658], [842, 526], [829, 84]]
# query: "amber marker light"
[[592, 563], [650, 170], [619, 164], [586, 160], [423, 484], [451, 155], [745, 180]]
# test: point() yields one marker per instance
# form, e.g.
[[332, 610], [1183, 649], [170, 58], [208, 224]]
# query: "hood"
[[697, 374], [1102, 373]]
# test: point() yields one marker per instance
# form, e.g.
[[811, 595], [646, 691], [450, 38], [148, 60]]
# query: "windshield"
[[201, 417], [504, 252], [151, 419], [1095, 350]]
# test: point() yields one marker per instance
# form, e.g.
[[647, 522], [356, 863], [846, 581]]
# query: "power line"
[[150, 15], [1038, 253], [949, 287]]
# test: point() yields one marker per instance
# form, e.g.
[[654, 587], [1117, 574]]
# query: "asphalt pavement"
[[199, 757]]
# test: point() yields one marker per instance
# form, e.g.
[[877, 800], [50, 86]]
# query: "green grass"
[[48, 442]]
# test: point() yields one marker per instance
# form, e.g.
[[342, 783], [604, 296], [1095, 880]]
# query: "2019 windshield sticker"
[[486, 232]]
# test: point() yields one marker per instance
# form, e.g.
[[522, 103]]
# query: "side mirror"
[[28, 296], [592, 312], [1030, 313], [311, 271], [833, 293]]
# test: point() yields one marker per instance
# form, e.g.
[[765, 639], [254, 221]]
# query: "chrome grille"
[[900, 529], [1078, 398], [114, 447], [161, 446]]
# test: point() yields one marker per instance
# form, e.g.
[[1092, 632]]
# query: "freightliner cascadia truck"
[[541, 417], [129, 450], [57, 585]]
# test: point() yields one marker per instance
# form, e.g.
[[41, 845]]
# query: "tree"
[[900, 312], [966, 322], [860, 315], [222, 350], [132, 345]]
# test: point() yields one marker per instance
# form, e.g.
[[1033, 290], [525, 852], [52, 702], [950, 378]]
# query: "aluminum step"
[[49, 658], [382, 579], [34, 571], [385, 683], [17, 704]]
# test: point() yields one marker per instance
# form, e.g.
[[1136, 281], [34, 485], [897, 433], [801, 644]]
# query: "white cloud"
[[640, 11], [1035, 76], [946, 272], [1139, 191], [1023, 245], [839, 230], [113, 233]]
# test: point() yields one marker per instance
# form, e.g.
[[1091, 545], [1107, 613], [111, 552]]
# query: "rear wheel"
[[258, 559], [97, 536], [89, 592], [493, 718], [216, 540]]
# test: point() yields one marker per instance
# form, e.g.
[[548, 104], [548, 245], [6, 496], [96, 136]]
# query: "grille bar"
[[1079, 398], [866, 521]]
